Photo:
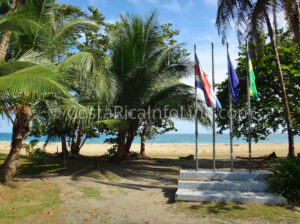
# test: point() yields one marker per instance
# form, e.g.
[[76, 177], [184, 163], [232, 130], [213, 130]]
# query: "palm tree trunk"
[[120, 154], [143, 147], [6, 35], [130, 136], [282, 85], [64, 145], [129, 140], [73, 143], [20, 132], [143, 142], [79, 139]]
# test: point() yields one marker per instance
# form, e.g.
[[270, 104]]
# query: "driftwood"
[[190, 157], [269, 157]]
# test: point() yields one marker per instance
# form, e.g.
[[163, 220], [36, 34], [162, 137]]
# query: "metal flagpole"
[[249, 110], [230, 113], [214, 125], [196, 117]]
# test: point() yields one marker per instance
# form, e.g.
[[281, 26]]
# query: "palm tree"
[[253, 16], [28, 79], [91, 87], [22, 84], [147, 73]]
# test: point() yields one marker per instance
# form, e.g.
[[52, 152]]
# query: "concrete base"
[[221, 186], [225, 175], [234, 196], [244, 186]]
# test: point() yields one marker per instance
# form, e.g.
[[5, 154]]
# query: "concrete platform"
[[222, 186], [245, 186], [233, 196], [224, 175]]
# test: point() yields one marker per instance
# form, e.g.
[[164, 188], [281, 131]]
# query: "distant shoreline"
[[175, 150], [167, 139], [182, 143]]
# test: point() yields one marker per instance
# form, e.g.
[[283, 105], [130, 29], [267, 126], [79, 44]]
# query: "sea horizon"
[[175, 138]]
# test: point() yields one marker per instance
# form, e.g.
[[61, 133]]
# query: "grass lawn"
[[230, 211], [51, 164], [90, 192], [26, 198]]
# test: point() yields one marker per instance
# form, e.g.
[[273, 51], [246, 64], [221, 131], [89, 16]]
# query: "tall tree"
[[267, 112], [254, 16], [147, 73], [23, 82], [28, 79]]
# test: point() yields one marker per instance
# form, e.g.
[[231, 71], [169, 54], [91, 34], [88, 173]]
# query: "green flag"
[[252, 86]]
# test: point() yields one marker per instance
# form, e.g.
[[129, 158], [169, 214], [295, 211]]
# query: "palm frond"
[[83, 61], [20, 24], [33, 56], [229, 11], [34, 81], [292, 14], [72, 25]]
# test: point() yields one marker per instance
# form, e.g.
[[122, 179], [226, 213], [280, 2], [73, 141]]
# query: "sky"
[[195, 20]]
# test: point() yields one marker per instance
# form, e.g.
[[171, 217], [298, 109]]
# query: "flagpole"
[[230, 113], [214, 125], [196, 118], [249, 110]]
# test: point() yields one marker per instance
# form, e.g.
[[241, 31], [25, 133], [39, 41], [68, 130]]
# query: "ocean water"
[[178, 139]]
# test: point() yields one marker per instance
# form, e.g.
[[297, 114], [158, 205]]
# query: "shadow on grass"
[[224, 207], [155, 173], [133, 169]]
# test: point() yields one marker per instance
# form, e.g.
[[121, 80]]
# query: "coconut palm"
[[147, 73], [250, 18], [91, 88], [22, 84], [28, 79]]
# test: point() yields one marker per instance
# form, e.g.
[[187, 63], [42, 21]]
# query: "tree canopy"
[[267, 113]]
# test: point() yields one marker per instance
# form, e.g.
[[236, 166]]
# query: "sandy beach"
[[175, 150]]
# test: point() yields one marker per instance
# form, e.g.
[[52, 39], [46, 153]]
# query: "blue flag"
[[233, 81]]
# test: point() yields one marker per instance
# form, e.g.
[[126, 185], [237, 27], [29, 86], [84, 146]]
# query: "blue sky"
[[195, 19]]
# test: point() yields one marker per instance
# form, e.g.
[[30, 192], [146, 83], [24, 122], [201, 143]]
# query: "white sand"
[[175, 150]]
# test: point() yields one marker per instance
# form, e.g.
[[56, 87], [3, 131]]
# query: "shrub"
[[285, 177], [35, 153]]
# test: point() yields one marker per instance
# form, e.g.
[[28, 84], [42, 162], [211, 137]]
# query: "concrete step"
[[224, 175], [234, 196], [246, 186]]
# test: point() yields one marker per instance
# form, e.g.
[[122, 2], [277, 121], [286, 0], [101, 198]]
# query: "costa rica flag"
[[202, 82]]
